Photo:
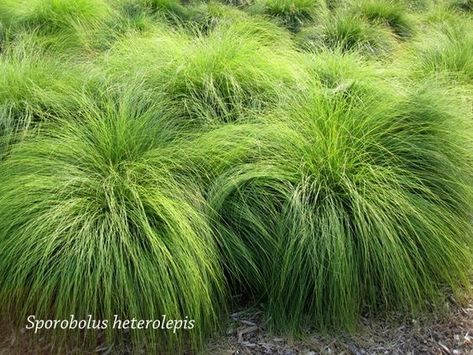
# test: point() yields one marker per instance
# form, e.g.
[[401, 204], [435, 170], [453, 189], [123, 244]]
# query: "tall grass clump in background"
[[291, 13], [355, 198], [63, 24], [462, 5], [206, 16], [95, 220], [33, 86], [171, 9], [346, 32], [236, 68], [389, 13], [447, 49]]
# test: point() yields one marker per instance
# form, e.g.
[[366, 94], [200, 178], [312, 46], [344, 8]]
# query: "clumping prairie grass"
[[346, 32], [390, 13], [447, 49], [33, 87], [462, 5], [292, 13], [94, 221], [361, 203], [159, 156], [238, 67], [63, 24]]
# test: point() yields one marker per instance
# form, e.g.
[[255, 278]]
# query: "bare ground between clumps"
[[450, 333]]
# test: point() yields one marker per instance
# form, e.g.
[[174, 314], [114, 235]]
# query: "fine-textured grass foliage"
[[361, 204], [159, 156], [448, 50], [389, 13], [63, 24], [217, 77], [95, 221], [346, 32], [462, 5], [292, 13], [33, 87], [173, 9]]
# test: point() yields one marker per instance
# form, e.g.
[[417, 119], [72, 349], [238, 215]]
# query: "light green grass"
[[389, 13], [161, 156], [63, 24], [95, 221], [238, 67], [354, 198], [346, 32], [447, 50]]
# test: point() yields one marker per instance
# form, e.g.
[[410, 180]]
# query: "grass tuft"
[[447, 50], [238, 67], [389, 13], [346, 32], [292, 13], [355, 199], [96, 221]]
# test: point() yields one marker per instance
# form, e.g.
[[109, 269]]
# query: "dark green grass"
[[462, 5], [291, 13], [94, 220]]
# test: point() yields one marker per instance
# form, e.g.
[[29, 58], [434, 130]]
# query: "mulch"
[[448, 333]]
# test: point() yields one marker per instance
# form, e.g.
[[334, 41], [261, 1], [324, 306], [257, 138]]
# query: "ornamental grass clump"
[[346, 32], [461, 5], [447, 50], [389, 13], [355, 199], [61, 24], [94, 220], [33, 86], [291, 13], [238, 67]]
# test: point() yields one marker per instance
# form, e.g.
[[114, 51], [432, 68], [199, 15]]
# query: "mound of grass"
[[346, 32], [64, 24], [392, 14], [238, 67], [462, 5], [95, 220], [174, 10], [292, 13], [33, 87], [447, 50], [352, 199], [208, 15]]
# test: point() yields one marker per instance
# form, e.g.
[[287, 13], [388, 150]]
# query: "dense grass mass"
[[160, 156], [292, 13], [389, 13], [448, 51], [348, 226], [236, 68], [115, 231], [346, 32]]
